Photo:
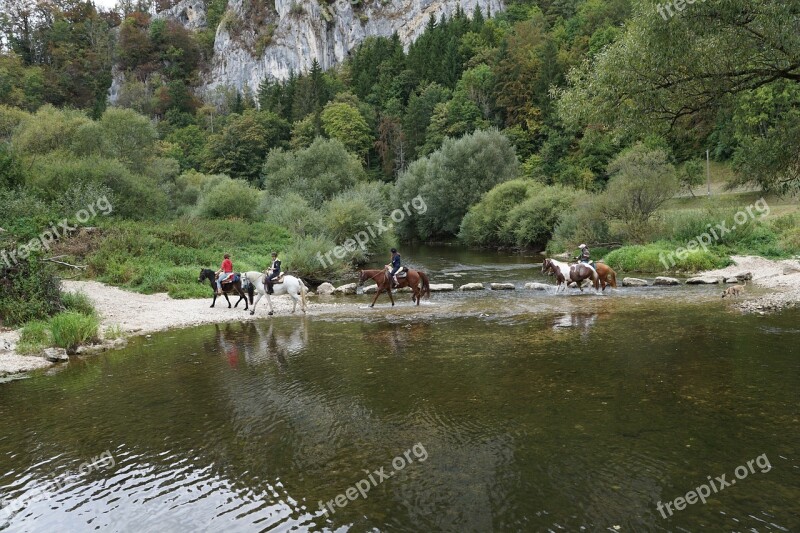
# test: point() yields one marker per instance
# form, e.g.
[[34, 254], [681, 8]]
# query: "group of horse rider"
[[270, 275], [274, 271]]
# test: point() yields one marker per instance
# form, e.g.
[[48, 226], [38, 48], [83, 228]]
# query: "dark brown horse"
[[384, 283], [227, 286]]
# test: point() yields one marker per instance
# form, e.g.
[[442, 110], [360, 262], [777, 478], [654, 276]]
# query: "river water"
[[516, 411]]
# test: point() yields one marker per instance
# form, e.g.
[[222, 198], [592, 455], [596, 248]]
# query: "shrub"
[[531, 223], [58, 171], [78, 302], [290, 211], [482, 223], [316, 173], [347, 215], [306, 257], [228, 199], [71, 329], [30, 291], [584, 222]]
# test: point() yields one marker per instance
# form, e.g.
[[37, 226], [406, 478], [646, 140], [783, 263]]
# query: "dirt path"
[[780, 278]]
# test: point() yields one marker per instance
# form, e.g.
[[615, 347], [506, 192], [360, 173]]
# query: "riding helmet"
[[393, 250]]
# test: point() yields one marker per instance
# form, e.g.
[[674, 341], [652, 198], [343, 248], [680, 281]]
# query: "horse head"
[[205, 274], [547, 266]]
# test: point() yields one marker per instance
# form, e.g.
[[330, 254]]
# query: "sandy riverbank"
[[776, 284], [137, 314]]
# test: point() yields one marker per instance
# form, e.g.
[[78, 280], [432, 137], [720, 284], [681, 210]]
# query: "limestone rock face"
[[190, 13], [252, 44]]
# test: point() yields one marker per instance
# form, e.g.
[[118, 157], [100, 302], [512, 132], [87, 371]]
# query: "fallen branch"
[[53, 260]]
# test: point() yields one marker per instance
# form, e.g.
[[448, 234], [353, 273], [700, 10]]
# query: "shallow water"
[[535, 412]]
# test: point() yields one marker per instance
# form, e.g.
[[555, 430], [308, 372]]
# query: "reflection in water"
[[246, 427]]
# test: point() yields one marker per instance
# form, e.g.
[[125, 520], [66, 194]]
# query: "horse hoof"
[[252, 313], [270, 313]]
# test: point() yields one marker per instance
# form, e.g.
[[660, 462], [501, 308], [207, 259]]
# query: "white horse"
[[291, 285]]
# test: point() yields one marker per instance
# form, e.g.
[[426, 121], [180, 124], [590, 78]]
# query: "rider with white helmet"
[[583, 255]]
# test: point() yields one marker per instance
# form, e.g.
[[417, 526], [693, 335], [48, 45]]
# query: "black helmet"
[[393, 250], [274, 254]]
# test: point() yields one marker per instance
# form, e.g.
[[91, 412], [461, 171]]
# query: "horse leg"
[[269, 303], [255, 303], [378, 293], [391, 297], [226, 299], [243, 296], [214, 300]]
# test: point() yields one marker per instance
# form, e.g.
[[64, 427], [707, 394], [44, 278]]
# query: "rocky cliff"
[[266, 38]]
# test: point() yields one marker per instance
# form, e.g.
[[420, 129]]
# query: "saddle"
[[233, 279], [276, 281]]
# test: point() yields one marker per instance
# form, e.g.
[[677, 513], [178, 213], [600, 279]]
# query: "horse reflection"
[[269, 341], [581, 321], [398, 338]]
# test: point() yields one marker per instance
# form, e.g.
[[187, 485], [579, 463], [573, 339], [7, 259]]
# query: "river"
[[513, 411]]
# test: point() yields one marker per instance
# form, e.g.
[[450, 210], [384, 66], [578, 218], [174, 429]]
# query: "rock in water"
[[350, 288], [502, 286], [56, 355], [441, 287], [703, 281], [634, 282], [663, 280], [472, 287], [326, 288]]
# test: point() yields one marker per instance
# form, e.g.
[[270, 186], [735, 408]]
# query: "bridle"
[[361, 279]]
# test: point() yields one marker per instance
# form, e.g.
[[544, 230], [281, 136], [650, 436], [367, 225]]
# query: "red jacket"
[[227, 266]]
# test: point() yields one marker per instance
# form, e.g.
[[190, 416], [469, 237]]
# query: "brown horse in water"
[[607, 275], [384, 283]]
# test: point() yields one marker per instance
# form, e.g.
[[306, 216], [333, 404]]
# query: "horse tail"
[[613, 276], [302, 293], [426, 284]]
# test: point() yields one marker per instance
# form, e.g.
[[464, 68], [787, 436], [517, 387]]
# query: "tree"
[[451, 180], [241, 148], [670, 72], [317, 173], [343, 121], [129, 137], [641, 181], [421, 105]]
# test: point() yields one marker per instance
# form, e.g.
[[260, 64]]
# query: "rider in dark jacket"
[[583, 255], [273, 271], [395, 265]]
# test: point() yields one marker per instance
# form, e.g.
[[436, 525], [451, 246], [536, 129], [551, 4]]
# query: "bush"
[[290, 211], [58, 172], [228, 199], [30, 291], [78, 302], [307, 258], [316, 173], [482, 223], [71, 329], [651, 258], [453, 179], [531, 223], [347, 215], [584, 222]]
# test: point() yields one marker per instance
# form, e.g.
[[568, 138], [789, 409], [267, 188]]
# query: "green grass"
[[34, 338], [648, 258], [78, 302], [71, 329], [167, 256]]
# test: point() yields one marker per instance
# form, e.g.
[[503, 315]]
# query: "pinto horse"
[[384, 283], [576, 273], [227, 286]]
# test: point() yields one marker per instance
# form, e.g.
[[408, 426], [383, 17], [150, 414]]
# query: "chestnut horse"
[[576, 273], [381, 279], [607, 275]]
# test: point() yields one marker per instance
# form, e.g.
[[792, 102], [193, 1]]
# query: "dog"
[[736, 290]]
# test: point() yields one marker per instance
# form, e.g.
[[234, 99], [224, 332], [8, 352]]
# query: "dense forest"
[[548, 124]]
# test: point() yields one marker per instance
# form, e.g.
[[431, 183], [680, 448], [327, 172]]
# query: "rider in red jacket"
[[225, 271]]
